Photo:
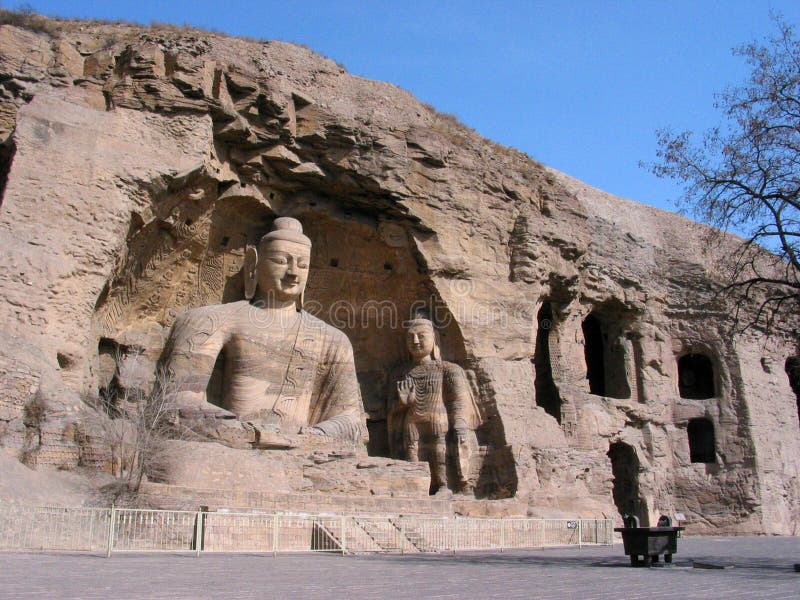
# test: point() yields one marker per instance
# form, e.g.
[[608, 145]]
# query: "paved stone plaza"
[[762, 567]]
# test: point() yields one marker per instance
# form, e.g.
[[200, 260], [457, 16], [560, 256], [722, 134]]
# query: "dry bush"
[[134, 424], [25, 17]]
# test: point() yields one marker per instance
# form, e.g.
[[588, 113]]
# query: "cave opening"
[[793, 371], [695, 377], [109, 391], [607, 351], [595, 355], [702, 446], [625, 470], [7, 151], [547, 395]]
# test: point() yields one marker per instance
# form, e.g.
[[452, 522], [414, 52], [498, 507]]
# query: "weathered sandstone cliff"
[[137, 164]]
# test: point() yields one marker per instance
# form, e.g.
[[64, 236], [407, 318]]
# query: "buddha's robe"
[[285, 371], [441, 401]]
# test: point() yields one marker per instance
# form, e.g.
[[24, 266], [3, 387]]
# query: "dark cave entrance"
[[547, 395], [108, 389], [695, 377], [702, 445], [793, 371], [625, 468], [7, 151], [595, 355], [607, 353]]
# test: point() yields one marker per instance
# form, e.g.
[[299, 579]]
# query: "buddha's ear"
[[250, 272], [436, 353]]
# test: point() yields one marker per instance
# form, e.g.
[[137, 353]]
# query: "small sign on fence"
[[572, 524]]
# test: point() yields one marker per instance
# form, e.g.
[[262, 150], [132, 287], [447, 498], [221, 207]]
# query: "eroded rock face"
[[138, 165]]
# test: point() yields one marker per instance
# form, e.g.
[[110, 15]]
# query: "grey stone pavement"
[[761, 567]]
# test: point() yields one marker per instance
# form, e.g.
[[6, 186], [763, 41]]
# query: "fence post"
[[543, 531], [580, 532], [455, 534], [198, 533], [91, 530], [502, 533], [275, 527], [111, 524], [344, 536]]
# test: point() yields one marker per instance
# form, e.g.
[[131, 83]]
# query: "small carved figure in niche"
[[285, 371], [432, 404]]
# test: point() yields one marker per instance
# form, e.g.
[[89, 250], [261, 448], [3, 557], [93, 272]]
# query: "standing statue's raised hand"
[[405, 388]]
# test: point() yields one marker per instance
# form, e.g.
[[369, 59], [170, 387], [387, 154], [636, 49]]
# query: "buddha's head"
[[421, 340], [278, 269]]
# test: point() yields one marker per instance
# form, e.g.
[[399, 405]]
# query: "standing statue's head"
[[421, 340], [278, 269]]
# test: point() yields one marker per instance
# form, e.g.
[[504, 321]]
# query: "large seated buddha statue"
[[286, 372]]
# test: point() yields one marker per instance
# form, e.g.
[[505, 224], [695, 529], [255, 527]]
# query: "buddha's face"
[[283, 269], [420, 341]]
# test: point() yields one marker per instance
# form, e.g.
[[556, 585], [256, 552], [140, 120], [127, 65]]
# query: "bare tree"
[[134, 422], [744, 177]]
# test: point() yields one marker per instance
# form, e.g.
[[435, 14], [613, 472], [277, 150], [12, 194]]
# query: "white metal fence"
[[145, 530]]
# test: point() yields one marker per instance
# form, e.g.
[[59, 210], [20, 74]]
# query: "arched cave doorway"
[[695, 377], [108, 356], [547, 395], [364, 279], [625, 468], [702, 445], [606, 354]]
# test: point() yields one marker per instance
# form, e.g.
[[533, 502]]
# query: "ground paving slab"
[[759, 567]]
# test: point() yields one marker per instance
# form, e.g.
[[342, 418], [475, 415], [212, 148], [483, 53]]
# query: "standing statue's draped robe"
[[441, 401], [288, 374]]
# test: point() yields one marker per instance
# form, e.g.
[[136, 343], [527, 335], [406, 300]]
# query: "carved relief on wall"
[[189, 254]]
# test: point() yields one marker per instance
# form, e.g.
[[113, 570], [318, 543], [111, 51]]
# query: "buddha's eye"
[[278, 259], [302, 264]]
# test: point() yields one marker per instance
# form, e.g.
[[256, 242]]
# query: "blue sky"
[[579, 85]]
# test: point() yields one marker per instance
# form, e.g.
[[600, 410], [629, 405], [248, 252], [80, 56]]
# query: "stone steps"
[[385, 534]]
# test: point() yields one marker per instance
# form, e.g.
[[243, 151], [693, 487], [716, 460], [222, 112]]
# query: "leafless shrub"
[[25, 17], [35, 411], [134, 424]]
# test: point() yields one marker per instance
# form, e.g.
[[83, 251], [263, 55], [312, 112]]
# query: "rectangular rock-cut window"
[[702, 446]]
